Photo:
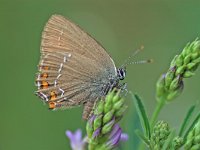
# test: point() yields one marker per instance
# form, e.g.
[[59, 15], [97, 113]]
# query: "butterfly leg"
[[123, 88]]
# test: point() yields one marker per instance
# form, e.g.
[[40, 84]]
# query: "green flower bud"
[[121, 111], [193, 138], [108, 116], [174, 61], [107, 106], [172, 95], [187, 59], [107, 127], [159, 135], [169, 76], [160, 86], [118, 104], [197, 60], [175, 83], [177, 143], [185, 50], [179, 61], [190, 47], [191, 65], [195, 55], [180, 70], [194, 68], [188, 74], [100, 107], [89, 129], [196, 46], [98, 122], [116, 98], [110, 96], [197, 139], [108, 100]]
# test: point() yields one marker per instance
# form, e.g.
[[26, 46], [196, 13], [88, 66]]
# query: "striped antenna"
[[141, 62], [127, 61]]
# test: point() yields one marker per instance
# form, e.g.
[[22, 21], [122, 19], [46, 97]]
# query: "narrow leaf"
[[192, 125], [142, 137], [132, 125], [186, 120], [142, 114]]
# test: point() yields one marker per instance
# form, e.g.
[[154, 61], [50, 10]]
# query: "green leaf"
[[192, 125], [169, 140], [186, 120], [142, 137], [142, 115]]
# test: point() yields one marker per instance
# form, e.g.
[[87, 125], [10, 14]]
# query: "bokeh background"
[[121, 26]]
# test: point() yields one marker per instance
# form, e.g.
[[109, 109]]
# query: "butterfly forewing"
[[74, 69]]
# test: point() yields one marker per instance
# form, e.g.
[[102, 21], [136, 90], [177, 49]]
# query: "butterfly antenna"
[[141, 62], [126, 62]]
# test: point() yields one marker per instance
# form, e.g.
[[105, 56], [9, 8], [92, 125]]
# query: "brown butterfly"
[[74, 69]]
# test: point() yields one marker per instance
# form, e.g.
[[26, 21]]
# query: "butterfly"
[[74, 69]]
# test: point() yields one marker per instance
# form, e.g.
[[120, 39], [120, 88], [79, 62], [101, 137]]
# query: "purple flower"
[[116, 136], [76, 141], [124, 137], [96, 133]]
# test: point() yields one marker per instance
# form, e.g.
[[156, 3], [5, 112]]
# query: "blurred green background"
[[121, 26]]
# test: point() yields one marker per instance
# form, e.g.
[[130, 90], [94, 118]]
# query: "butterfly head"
[[121, 73]]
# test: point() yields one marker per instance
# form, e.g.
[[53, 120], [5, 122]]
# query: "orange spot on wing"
[[44, 84], [45, 67], [53, 95], [44, 75], [52, 105]]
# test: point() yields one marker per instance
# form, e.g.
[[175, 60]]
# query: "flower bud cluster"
[[102, 128], [182, 66]]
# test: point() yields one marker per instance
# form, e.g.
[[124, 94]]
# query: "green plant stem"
[[90, 147], [159, 106]]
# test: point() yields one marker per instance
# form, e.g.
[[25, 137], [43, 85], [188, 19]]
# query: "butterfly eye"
[[121, 73]]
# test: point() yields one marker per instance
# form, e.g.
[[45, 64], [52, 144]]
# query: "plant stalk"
[[159, 106]]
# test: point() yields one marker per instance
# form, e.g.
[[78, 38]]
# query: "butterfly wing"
[[73, 69]]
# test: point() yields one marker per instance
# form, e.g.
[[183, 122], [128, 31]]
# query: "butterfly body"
[[74, 69]]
